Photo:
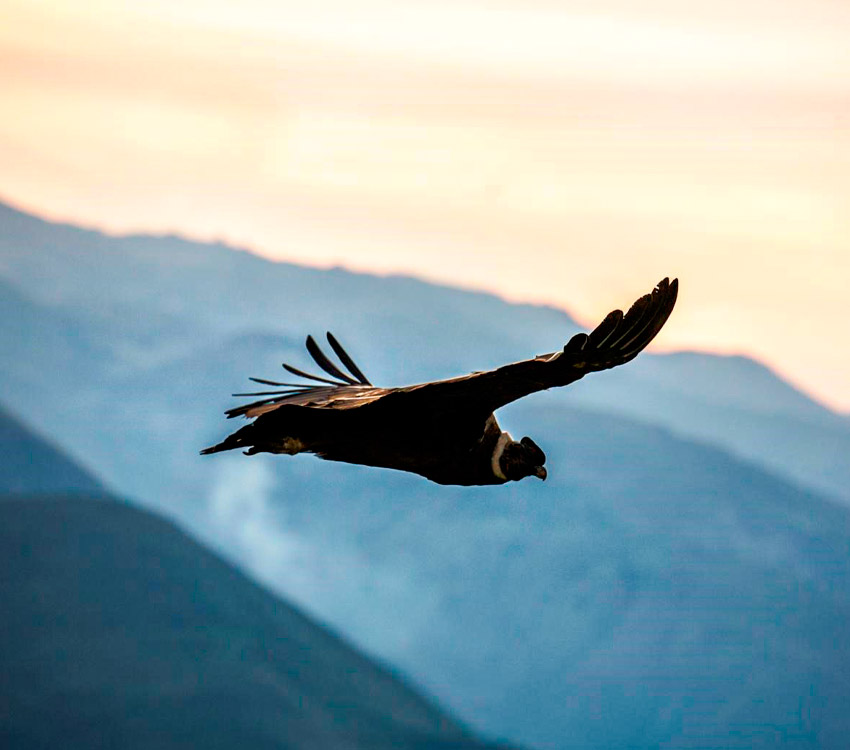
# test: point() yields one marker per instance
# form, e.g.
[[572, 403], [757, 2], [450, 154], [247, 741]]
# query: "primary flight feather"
[[444, 430]]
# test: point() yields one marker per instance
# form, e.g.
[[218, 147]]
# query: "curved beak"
[[540, 472]]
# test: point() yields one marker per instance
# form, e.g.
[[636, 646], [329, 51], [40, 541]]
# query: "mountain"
[[694, 598], [658, 590], [735, 403], [120, 631], [140, 303]]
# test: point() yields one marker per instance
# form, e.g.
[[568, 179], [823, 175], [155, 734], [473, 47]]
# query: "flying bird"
[[445, 430]]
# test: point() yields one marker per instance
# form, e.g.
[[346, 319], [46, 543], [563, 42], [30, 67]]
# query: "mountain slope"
[[652, 593], [139, 637], [735, 403], [120, 631]]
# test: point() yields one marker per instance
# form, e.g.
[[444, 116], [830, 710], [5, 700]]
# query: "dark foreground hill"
[[119, 631]]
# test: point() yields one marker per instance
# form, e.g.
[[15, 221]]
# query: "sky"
[[569, 153]]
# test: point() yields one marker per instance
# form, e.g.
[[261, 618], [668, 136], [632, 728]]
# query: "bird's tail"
[[225, 445], [217, 448], [238, 439]]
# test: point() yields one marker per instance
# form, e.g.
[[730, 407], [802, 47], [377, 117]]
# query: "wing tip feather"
[[346, 359]]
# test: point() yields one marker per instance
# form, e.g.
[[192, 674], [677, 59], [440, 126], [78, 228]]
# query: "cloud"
[[331, 578], [241, 510]]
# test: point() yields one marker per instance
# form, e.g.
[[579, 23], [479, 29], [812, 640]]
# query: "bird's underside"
[[444, 430]]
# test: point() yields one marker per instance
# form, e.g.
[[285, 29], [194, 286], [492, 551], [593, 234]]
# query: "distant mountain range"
[[151, 301], [120, 631], [680, 581]]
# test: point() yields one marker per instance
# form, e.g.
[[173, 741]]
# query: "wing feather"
[[271, 393], [275, 382], [323, 393], [607, 328], [302, 374], [329, 367], [346, 360]]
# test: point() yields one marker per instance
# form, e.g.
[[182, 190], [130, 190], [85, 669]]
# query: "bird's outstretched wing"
[[343, 390], [616, 340]]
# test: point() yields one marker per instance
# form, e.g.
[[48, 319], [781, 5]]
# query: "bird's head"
[[523, 459]]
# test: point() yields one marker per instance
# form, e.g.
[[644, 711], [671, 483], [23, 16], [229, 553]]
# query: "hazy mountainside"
[[739, 383], [155, 301], [48, 351], [120, 631], [735, 403], [655, 592], [695, 598], [652, 593], [156, 291]]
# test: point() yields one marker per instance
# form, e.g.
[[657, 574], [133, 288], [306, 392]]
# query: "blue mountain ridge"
[[156, 300], [657, 591]]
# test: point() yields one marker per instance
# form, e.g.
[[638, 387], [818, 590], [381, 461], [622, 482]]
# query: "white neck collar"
[[503, 440]]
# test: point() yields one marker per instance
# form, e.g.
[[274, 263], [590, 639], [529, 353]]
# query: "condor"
[[445, 430]]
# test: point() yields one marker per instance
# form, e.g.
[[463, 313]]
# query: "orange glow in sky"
[[563, 154]]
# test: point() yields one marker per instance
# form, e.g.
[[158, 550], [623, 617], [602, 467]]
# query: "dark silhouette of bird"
[[444, 430]]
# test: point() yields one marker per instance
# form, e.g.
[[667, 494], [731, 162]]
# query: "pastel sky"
[[563, 152]]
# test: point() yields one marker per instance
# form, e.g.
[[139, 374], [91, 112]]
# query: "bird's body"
[[445, 430], [415, 441]]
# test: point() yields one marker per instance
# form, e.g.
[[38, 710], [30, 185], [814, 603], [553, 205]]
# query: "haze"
[[550, 155]]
